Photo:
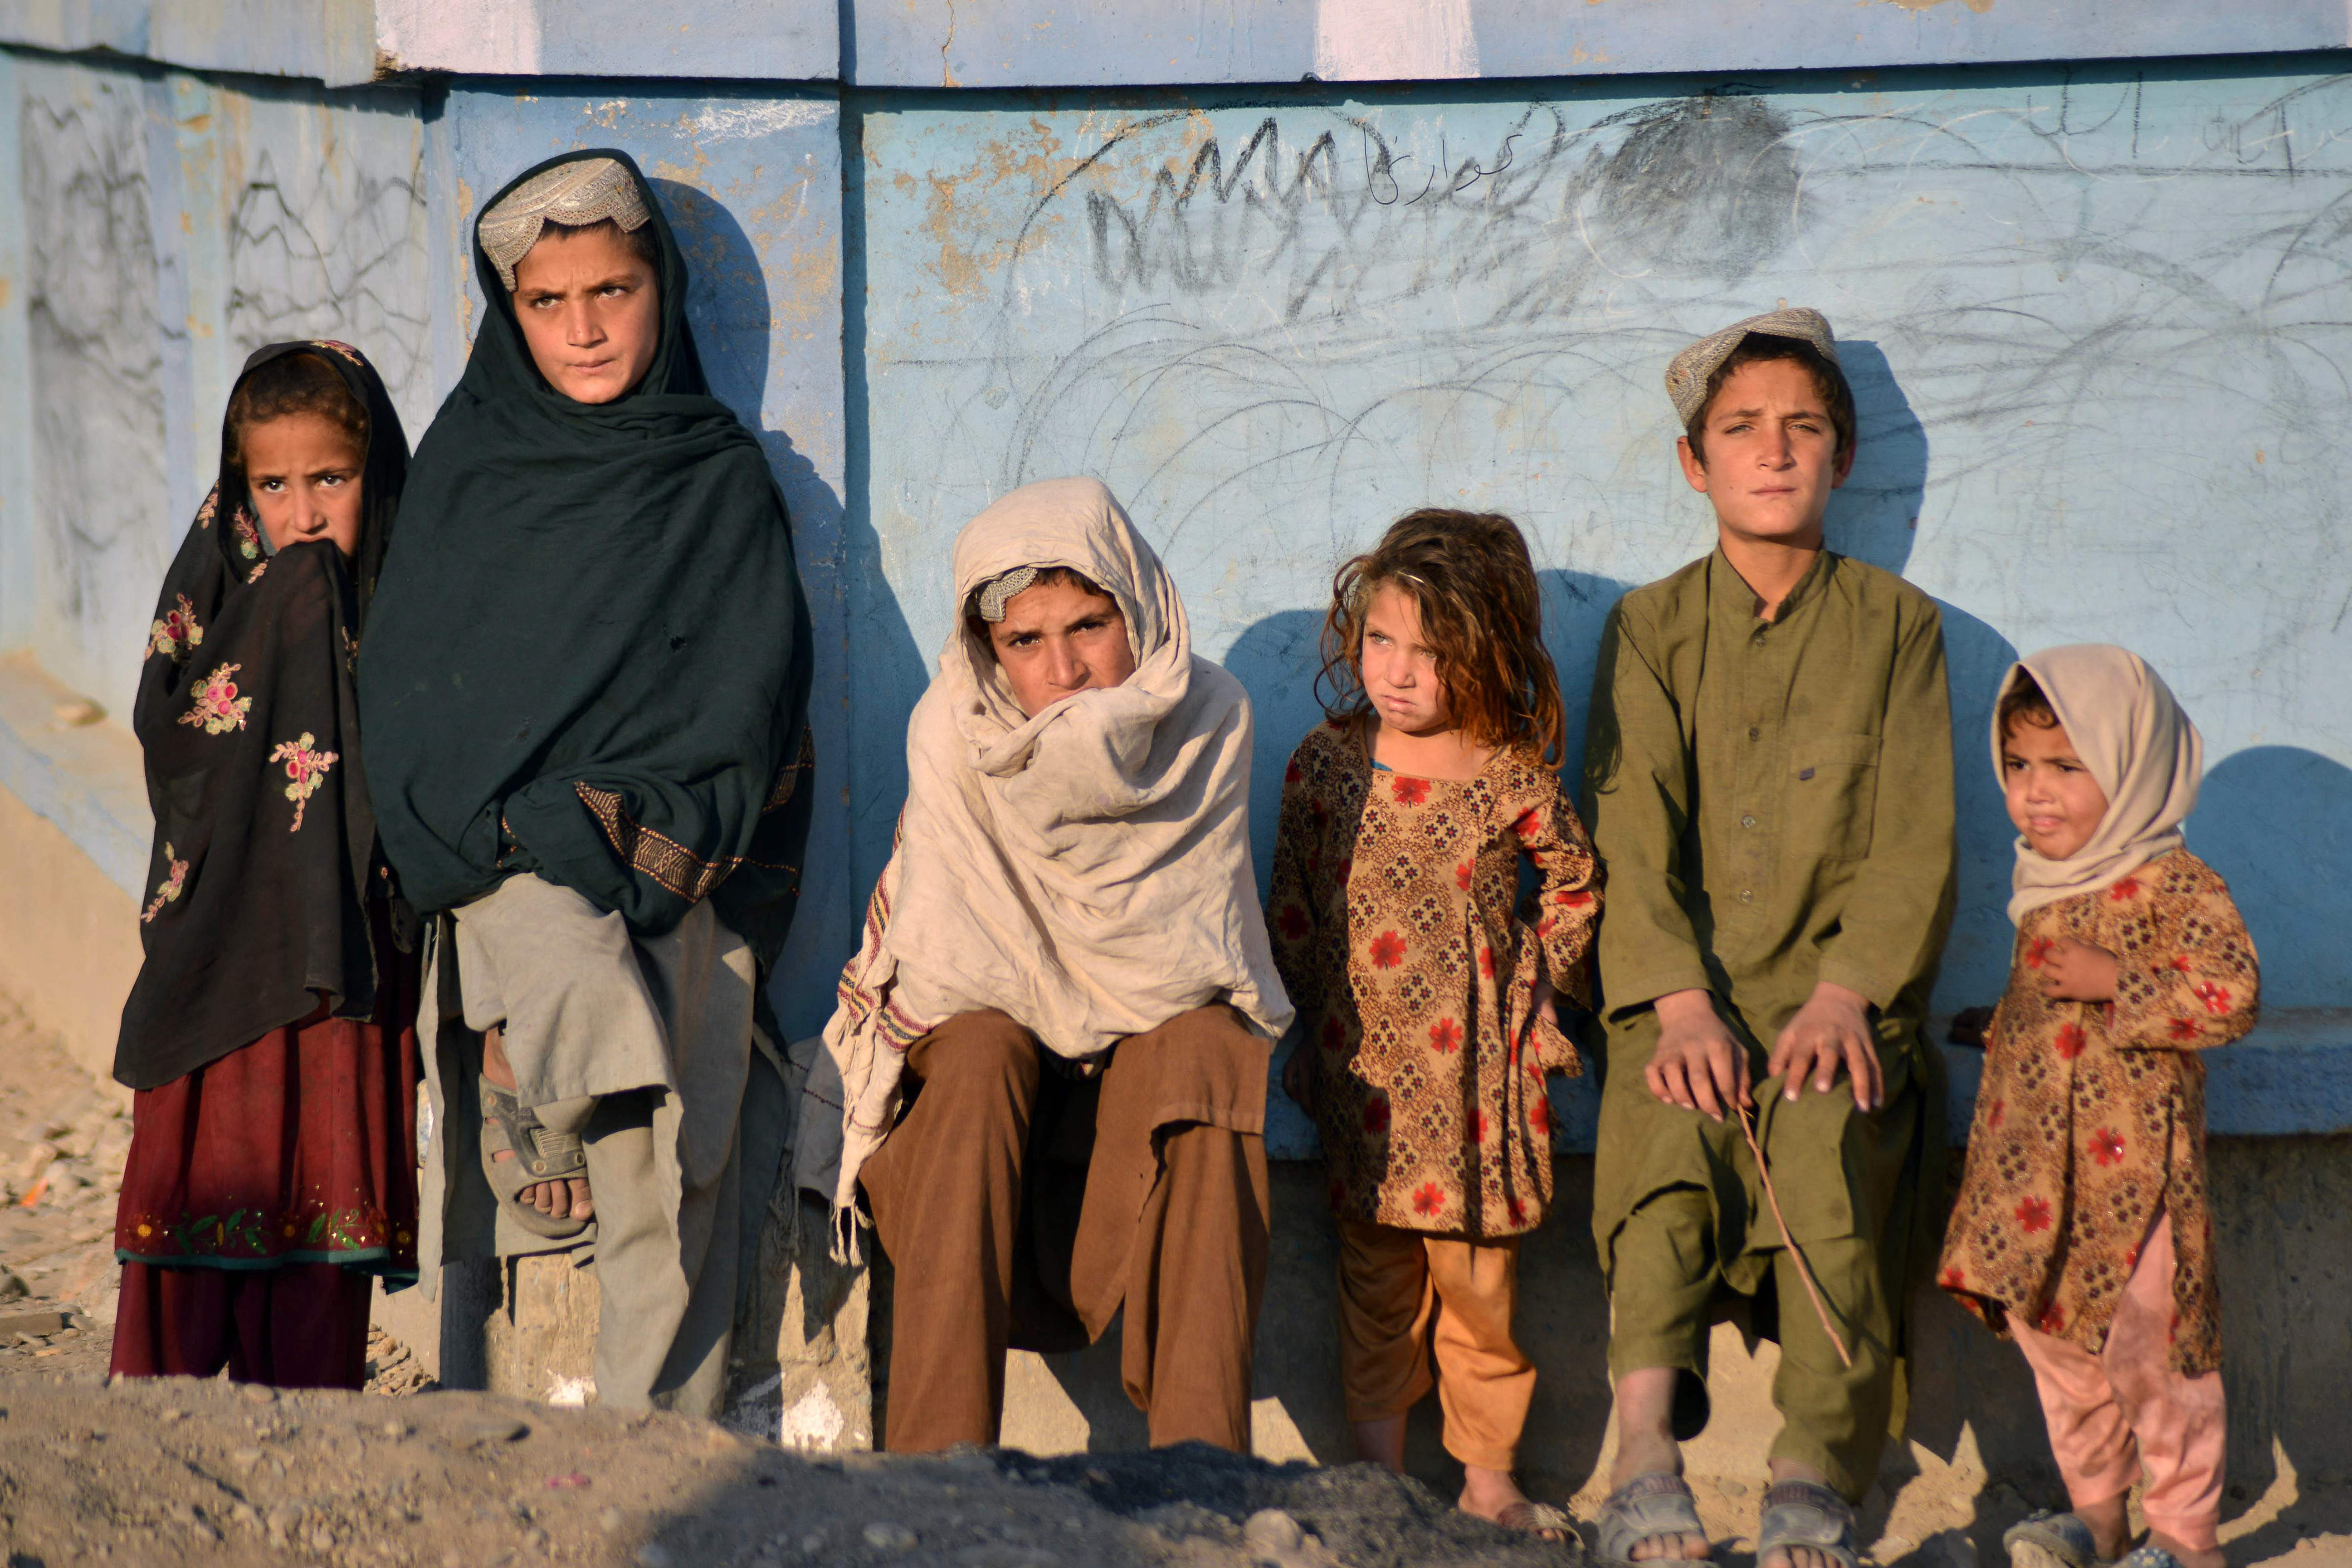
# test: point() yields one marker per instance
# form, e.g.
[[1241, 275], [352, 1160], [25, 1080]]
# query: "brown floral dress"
[[2091, 1119], [1396, 927]]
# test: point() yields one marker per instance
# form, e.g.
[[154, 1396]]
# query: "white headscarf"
[[2142, 752], [1086, 870]]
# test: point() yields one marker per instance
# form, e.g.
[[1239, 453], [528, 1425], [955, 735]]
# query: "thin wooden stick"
[[1804, 1272]]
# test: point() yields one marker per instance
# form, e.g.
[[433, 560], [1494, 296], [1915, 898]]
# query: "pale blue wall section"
[[347, 42], [172, 224], [753, 186], [1104, 43], [332, 40], [2095, 324], [783, 40]]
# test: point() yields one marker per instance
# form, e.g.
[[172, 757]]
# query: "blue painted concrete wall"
[[2095, 314]]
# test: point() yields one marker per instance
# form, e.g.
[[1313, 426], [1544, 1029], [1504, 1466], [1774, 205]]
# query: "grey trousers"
[[642, 1045]]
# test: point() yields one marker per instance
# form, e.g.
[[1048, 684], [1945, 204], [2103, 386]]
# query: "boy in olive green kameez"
[[1768, 778]]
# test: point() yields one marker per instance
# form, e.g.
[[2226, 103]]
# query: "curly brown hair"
[[1473, 583], [2025, 702]]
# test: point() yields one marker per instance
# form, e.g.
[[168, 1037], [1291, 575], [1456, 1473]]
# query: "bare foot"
[[1489, 1494], [1646, 1447], [567, 1199]]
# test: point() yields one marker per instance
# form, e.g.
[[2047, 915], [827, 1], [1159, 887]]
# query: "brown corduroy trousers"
[[1020, 1208]]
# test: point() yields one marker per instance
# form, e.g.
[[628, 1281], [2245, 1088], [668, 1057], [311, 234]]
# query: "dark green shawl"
[[589, 656]]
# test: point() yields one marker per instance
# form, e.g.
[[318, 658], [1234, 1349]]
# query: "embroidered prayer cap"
[[574, 195], [1686, 378], [999, 592]]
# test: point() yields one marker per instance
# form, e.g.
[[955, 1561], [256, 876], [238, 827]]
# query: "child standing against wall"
[[1424, 986], [272, 1172], [2082, 1228]]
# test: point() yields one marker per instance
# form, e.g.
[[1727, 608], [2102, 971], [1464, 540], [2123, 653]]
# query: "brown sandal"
[[1541, 1520]]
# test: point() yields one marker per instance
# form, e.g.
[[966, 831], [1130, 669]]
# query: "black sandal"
[[539, 1155], [1647, 1507], [1802, 1514]]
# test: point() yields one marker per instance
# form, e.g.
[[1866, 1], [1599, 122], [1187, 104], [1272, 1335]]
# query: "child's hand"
[[1298, 1078], [1697, 1065], [1547, 1003], [1830, 1031], [2078, 972]]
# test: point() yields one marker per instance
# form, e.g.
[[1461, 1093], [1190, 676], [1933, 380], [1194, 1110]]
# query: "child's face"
[[591, 312], [1056, 640], [1771, 454], [1399, 673], [304, 473], [2053, 798]]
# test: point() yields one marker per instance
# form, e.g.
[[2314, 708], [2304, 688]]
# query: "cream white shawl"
[[1085, 870], [2142, 751]]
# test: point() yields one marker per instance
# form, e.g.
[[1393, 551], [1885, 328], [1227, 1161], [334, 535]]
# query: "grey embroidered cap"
[[574, 195], [998, 592], [1687, 377]]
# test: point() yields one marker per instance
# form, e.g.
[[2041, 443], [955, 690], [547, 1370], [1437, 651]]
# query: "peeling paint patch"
[[731, 122]]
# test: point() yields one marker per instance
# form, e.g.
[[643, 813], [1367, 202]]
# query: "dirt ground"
[[176, 1472]]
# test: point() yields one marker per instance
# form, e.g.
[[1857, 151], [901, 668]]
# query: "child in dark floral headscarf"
[[268, 1037]]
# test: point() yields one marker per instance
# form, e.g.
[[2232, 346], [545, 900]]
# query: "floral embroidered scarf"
[[591, 660], [264, 843]]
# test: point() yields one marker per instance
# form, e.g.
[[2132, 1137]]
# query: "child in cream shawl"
[[1085, 870], [2083, 1228]]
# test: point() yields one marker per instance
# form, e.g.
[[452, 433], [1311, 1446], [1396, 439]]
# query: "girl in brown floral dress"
[[1425, 983], [2082, 1226]]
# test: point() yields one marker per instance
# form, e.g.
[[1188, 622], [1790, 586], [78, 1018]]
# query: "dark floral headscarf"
[[265, 844]]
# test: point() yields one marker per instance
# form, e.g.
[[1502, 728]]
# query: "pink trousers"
[[2126, 1413]]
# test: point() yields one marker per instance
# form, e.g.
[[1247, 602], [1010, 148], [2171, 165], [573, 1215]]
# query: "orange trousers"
[[1404, 1295], [2126, 1412]]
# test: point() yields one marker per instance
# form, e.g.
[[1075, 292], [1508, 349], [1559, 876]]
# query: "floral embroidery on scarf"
[[331, 346], [249, 534], [168, 890], [177, 633], [254, 575], [215, 705], [206, 512], [305, 770], [350, 651]]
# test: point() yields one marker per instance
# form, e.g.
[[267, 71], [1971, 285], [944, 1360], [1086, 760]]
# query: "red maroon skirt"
[[295, 1152]]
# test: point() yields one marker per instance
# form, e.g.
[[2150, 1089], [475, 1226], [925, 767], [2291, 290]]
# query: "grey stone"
[[1272, 1533], [889, 1535]]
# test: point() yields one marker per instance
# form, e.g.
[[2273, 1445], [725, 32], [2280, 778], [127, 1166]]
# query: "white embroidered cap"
[[998, 592], [574, 195], [1686, 378]]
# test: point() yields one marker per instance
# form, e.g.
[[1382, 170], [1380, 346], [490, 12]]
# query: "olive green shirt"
[[1773, 800]]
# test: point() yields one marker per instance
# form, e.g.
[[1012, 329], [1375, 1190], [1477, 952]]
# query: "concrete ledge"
[[86, 778], [73, 855]]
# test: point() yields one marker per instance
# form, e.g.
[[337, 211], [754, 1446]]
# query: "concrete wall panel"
[[1106, 43], [2093, 320]]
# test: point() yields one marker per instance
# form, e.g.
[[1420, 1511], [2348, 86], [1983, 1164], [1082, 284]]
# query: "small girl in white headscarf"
[[2082, 1226]]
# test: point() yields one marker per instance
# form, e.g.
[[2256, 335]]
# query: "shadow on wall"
[[2276, 822], [729, 306]]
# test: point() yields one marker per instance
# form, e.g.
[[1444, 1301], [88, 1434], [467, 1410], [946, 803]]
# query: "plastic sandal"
[[2049, 1540], [1801, 1514], [1644, 1508], [1541, 1520], [539, 1155]]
